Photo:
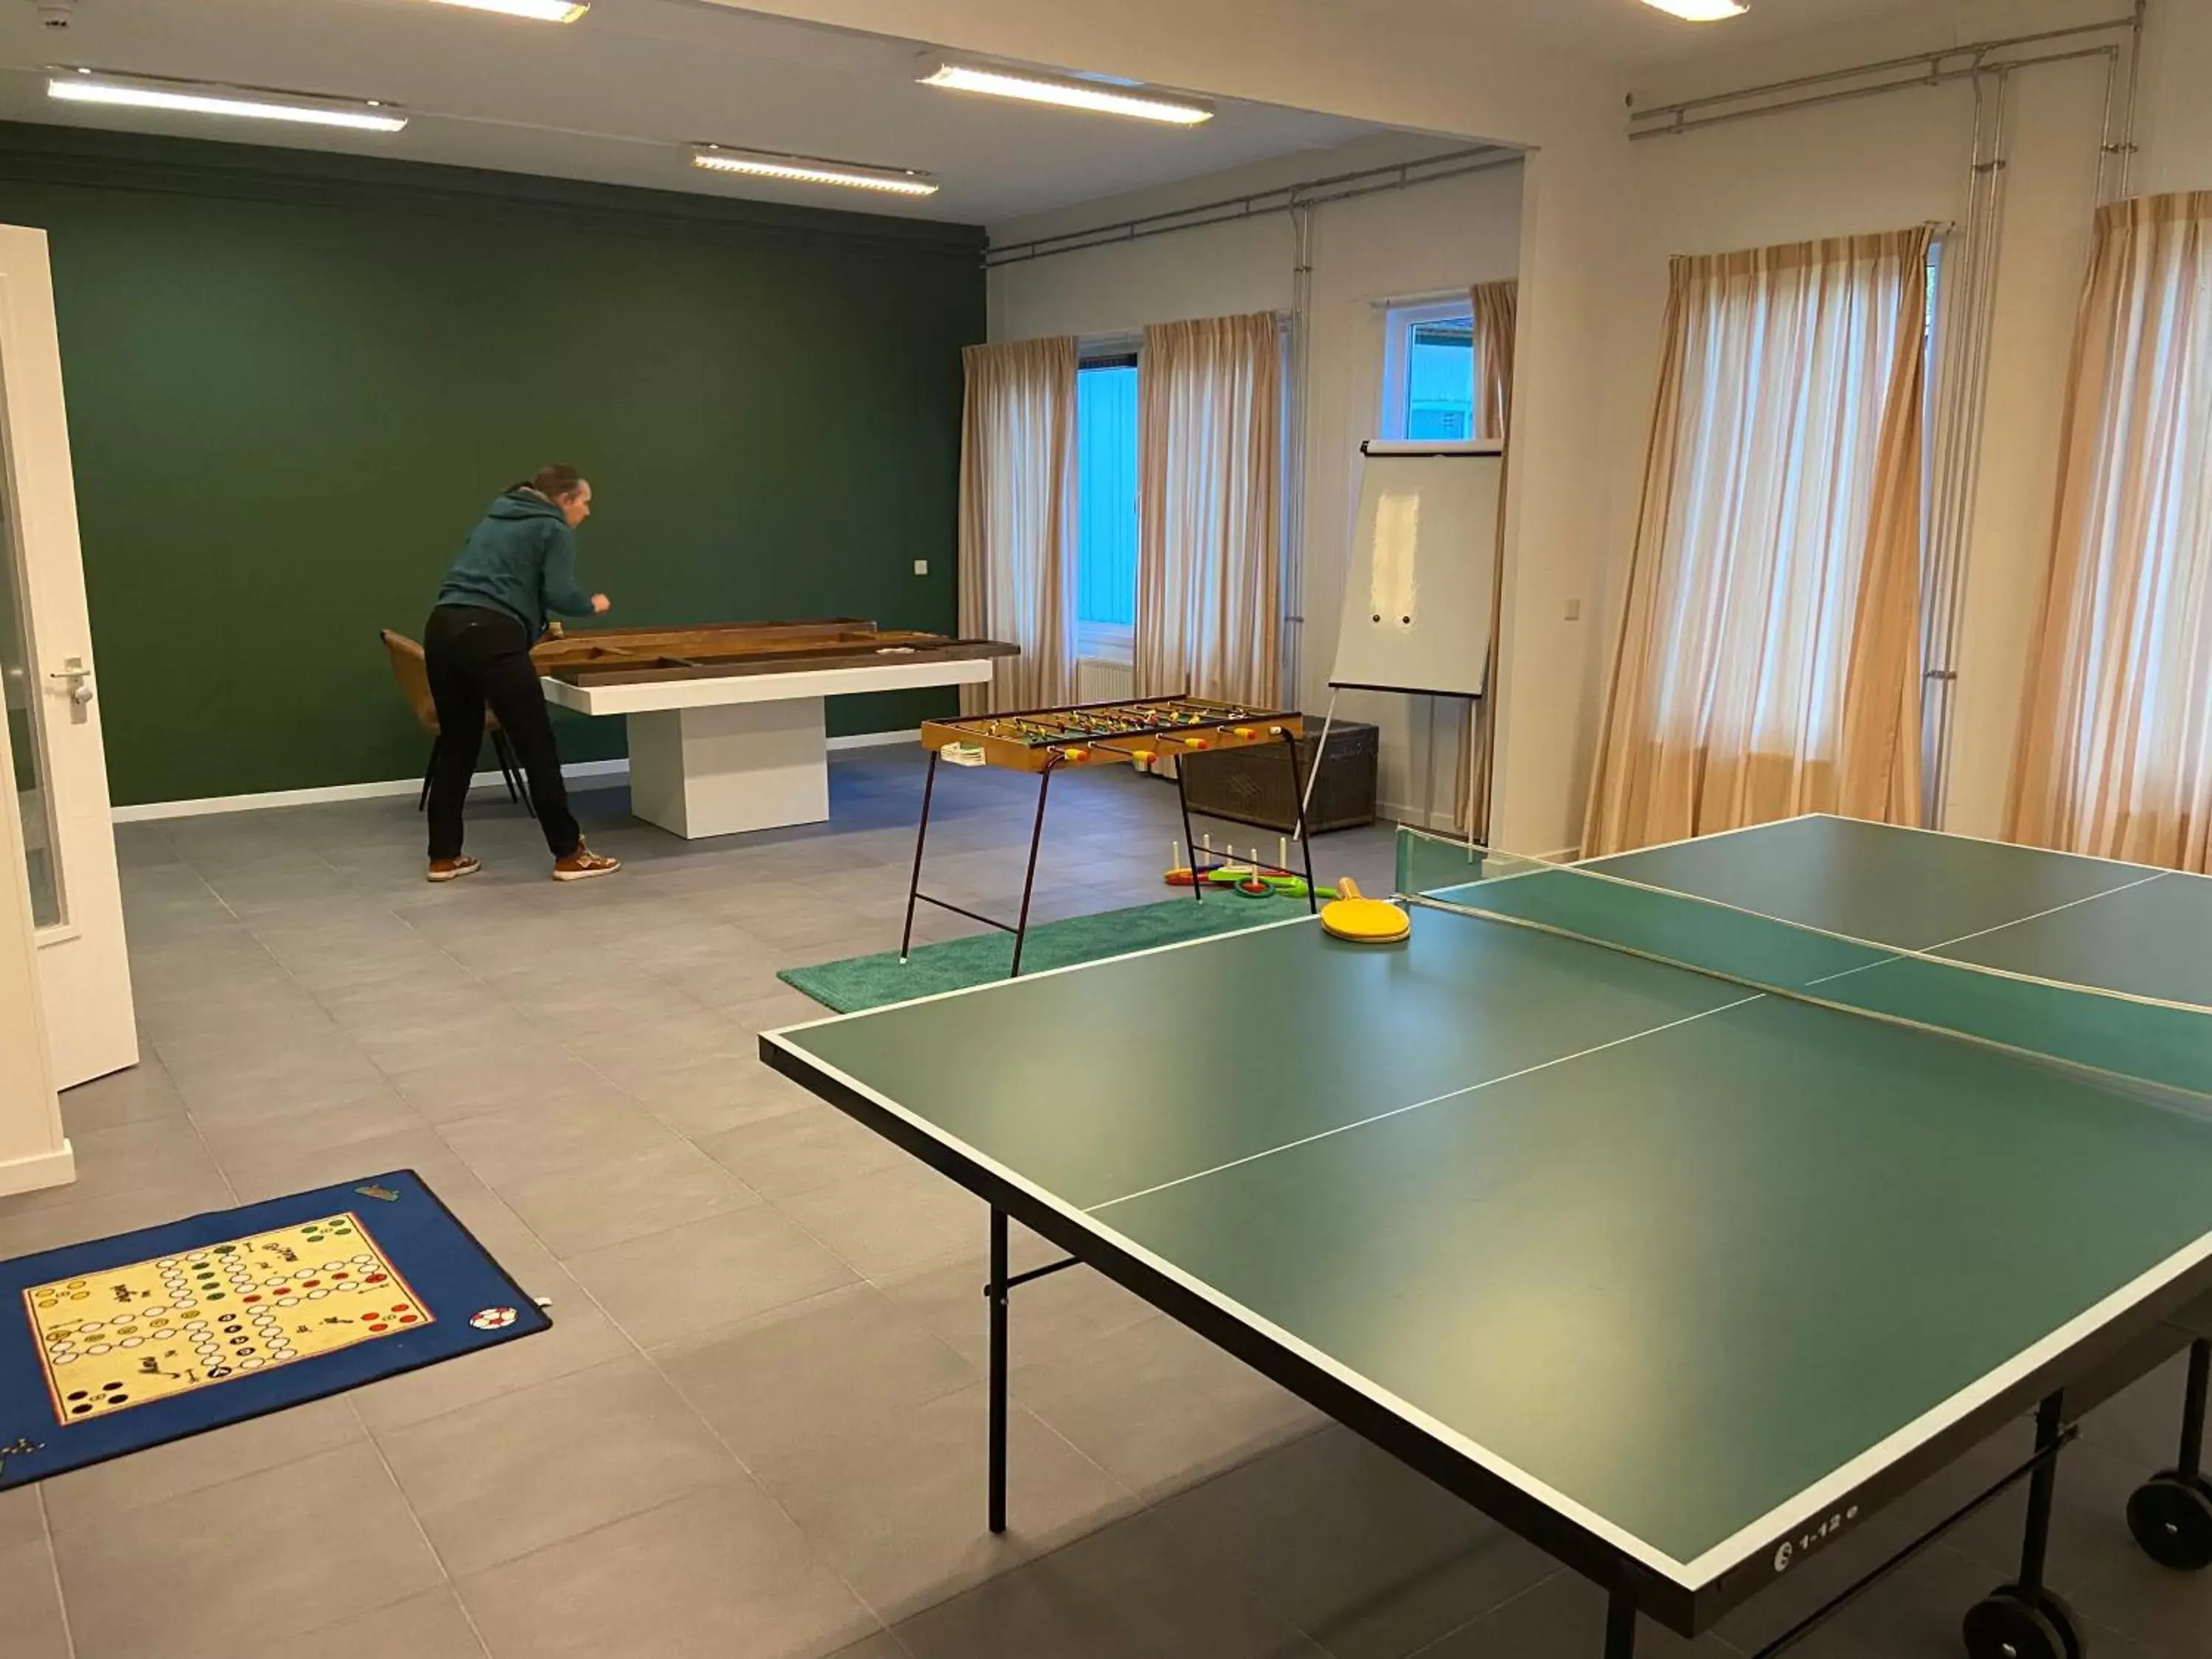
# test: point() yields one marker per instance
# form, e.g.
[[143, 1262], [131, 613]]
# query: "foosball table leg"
[[1029, 876], [1190, 840], [921, 836], [1298, 802]]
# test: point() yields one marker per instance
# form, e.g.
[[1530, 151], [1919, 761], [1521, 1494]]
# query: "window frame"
[[1398, 322]]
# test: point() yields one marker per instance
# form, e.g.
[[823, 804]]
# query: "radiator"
[[1097, 680]]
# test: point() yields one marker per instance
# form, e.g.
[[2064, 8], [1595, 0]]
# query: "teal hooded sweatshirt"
[[520, 559]]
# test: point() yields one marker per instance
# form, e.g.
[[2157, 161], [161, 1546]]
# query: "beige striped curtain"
[[1769, 660], [1018, 520], [1496, 313], [1209, 553], [2115, 754]]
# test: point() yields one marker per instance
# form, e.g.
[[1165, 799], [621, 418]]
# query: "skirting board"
[[581, 775], [39, 1171]]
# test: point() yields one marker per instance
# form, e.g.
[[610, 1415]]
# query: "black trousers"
[[478, 658]]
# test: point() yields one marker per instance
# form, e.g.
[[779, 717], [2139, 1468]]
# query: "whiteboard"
[[1417, 598]]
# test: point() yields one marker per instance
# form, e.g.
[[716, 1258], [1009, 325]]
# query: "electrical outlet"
[[1574, 609], [922, 566]]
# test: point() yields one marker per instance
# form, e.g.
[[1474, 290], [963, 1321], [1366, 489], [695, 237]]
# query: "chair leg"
[[506, 764], [518, 786]]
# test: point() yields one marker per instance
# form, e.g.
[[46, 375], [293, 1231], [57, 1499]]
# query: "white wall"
[[1440, 68], [1600, 216], [1425, 240], [1901, 158]]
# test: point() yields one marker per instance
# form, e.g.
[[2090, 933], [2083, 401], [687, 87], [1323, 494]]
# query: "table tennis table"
[[1679, 1210]]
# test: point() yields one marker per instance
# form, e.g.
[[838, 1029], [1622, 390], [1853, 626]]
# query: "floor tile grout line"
[[323, 997], [760, 1487], [1518, 1596], [444, 1573], [54, 1570]]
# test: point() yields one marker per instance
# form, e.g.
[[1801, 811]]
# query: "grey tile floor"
[[757, 1427]]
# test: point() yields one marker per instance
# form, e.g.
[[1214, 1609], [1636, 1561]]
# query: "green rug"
[[861, 982]]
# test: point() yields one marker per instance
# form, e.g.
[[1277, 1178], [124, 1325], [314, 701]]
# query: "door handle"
[[76, 675]]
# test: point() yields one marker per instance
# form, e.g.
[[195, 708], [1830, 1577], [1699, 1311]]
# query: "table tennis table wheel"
[[2171, 1515], [2011, 1624]]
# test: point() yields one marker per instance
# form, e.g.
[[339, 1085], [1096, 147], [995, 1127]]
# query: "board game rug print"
[[122, 1343]]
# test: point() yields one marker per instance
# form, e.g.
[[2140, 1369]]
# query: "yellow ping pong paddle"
[[1364, 920]]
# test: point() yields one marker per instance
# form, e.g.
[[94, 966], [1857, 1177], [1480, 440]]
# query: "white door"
[[51, 692]]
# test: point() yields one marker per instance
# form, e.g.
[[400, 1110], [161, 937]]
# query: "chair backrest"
[[413, 675]]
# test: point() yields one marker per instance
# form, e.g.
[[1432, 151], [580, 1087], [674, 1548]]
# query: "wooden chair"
[[413, 675]]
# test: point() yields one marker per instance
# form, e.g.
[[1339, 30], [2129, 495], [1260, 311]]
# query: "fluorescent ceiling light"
[[1700, 11], [812, 170], [86, 87], [1069, 93], [538, 11]]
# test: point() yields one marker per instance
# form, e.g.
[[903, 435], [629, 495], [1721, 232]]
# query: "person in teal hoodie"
[[518, 567]]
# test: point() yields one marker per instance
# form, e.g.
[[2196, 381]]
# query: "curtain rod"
[[1934, 78], [1933, 60], [1433, 297], [1283, 198]]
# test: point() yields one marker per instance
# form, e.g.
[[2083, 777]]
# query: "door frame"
[[83, 960]]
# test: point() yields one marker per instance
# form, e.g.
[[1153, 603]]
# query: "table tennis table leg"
[[921, 836], [997, 1295], [2171, 1514], [1189, 840], [2192, 1408], [1620, 1624], [2042, 1487], [2025, 1619]]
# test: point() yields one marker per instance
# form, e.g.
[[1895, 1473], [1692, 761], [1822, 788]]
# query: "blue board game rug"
[[111, 1347]]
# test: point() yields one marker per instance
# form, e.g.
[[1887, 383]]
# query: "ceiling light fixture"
[[1067, 93], [537, 11], [812, 170], [191, 98], [1700, 11]]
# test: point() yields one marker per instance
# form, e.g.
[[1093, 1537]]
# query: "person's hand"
[[601, 605]]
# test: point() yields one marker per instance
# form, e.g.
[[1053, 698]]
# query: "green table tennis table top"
[[1685, 1263]]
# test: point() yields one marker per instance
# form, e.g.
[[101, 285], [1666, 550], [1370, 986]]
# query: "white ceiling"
[[1633, 35], [618, 95]]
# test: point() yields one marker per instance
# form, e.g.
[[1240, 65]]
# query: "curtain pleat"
[[1209, 564], [2115, 754], [1496, 312], [1017, 476], [1768, 661]]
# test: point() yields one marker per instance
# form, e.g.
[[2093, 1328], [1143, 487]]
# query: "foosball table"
[[1141, 732]]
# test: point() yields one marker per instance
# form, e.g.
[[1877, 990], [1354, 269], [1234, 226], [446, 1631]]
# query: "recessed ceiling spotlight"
[[199, 98], [812, 170], [1700, 11], [1066, 92]]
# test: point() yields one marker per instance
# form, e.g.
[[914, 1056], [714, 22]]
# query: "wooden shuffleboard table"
[[727, 729]]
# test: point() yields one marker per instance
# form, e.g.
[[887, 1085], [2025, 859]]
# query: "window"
[[1428, 372], [1106, 507]]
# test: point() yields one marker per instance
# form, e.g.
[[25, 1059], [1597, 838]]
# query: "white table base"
[[730, 767]]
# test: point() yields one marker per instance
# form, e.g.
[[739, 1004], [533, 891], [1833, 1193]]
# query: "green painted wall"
[[295, 380]]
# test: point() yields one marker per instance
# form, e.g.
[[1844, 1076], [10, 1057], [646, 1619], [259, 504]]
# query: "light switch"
[[922, 566], [1574, 609]]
